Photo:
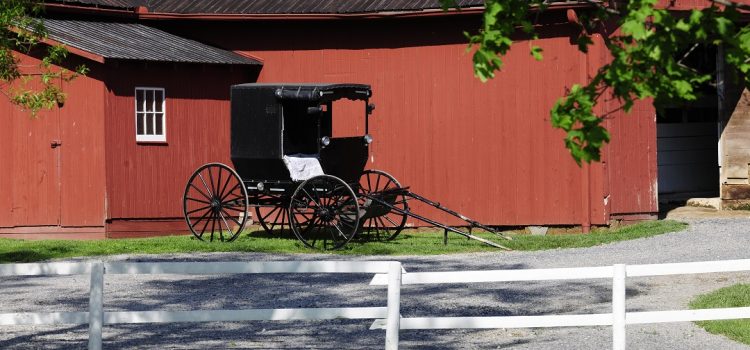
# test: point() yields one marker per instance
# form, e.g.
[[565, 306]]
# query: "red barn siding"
[[47, 186], [34, 173], [147, 180], [629, 160], [82, 134], [486, 150], [6, 162], [632, 161], [688, 5]]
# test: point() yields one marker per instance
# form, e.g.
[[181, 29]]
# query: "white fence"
[[96, 317], [618, 318], [386, 273]]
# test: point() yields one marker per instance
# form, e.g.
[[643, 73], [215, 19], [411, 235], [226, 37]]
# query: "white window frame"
[[141, 111]]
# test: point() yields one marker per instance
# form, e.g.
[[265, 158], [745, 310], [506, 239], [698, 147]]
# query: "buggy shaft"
[[437, 205], [435, 223]]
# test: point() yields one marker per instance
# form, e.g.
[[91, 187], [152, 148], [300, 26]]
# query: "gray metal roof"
[[132, 41], [295, 6], [106, 3], [277, 7]]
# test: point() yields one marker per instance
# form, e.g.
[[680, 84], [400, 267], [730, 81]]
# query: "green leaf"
[[536, 52], [636, 29], [723, 25], [583, 42], [21, 30]]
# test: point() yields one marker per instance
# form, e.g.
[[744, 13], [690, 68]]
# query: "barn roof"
[[133, 41], [277, 7]]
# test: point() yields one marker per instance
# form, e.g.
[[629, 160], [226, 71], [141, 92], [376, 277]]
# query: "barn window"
[[150, 116]]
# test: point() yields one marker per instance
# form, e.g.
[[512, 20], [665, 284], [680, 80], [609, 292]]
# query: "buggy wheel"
[[324, 212], [276, 217], [215, 203], [380, 222]]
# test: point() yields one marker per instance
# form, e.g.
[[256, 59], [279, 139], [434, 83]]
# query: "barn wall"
[[484, 149], [629, 160], [61, 188], [6, 162], [688, 5], [82, 134], [31, 182], [632, 162], [146, 180]]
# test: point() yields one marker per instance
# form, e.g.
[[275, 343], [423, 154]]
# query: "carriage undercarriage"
[[323, 212]]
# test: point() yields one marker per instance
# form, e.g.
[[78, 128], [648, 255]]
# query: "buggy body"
[[274, 122], [290, 168]]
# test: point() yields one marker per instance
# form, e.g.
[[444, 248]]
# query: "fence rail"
[[618, 318], [389, 273], [96, 317]]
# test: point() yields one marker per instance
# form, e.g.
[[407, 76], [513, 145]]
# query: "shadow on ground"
[[171, 292]]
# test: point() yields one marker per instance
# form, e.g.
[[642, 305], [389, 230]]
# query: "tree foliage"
[[646, 57], [32, 87]]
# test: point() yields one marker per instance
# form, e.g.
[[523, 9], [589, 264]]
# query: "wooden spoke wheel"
[[324, 213], [215, 203], [273, 218], [380, 222]]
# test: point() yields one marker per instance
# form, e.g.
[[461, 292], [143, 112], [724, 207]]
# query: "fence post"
[[393, 322], [96, 305], [618, 307]]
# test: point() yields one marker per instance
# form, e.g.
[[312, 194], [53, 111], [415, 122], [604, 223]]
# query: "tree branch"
[[732, 4], [6, 94], [601, 6]]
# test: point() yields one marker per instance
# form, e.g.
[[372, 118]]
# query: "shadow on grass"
[[27, 255], [274, 234], [356, 243]]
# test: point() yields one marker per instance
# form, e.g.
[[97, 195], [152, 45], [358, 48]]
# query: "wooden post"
[[721, 96], [393, 322], [618, 307], [96, 305]]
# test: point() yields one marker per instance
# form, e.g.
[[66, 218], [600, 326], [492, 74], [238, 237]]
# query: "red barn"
[[152, 103], [156, 105]]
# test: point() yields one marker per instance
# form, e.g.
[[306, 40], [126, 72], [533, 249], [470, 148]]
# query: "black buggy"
[[296, 175]]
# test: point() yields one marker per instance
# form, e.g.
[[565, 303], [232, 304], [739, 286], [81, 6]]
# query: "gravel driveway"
[[706, 239]]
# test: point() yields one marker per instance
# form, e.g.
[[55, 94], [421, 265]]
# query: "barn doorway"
[[688, 136]]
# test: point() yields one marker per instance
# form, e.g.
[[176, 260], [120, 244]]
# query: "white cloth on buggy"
[[303, 166]]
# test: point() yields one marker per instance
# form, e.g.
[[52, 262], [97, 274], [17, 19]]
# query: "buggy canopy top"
[[314, 92], [271, 121]]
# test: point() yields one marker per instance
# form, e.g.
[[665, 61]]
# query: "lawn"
[[409, 242], [737, 295]]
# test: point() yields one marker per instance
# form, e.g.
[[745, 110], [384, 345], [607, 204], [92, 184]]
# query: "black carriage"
[[296, 175]]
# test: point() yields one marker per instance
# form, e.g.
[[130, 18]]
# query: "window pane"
[[159, 100], [139, 100], [139, 123], [150, 101], [149, 123], [160, 123]]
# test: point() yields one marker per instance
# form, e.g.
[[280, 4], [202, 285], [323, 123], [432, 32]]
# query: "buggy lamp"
[[325, 141], [368, 139]]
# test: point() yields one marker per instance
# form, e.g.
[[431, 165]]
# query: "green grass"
[[737, 295], [409, 242]]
